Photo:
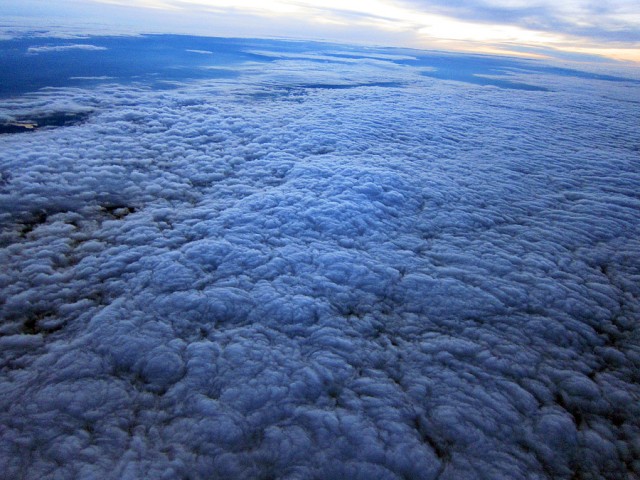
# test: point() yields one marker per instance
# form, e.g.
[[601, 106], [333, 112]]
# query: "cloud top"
[[411, 277]]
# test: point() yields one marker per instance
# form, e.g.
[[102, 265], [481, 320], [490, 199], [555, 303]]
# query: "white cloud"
[[251, 277], [64, 48], [101, 77], [202, 52]]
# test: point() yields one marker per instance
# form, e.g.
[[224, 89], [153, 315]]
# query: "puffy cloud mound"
[[270, 278]]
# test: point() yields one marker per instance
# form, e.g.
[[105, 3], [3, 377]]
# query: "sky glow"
[[540, 28], [611, 29]]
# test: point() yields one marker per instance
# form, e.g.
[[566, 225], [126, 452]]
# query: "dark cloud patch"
[[30, 123]]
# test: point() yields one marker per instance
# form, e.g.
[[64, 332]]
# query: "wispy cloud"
[[612, 29], [201, 52], [99, 77], [617, 20], [63, 48]]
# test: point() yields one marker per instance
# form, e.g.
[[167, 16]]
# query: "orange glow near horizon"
[[413, 27]]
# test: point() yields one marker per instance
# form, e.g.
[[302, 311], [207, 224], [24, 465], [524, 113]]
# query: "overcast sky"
[[532, 27]]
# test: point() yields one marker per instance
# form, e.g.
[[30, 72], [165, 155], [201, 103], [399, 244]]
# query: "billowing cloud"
[[323, 270]]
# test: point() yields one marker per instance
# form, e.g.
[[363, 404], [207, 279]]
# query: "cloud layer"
[[403, 277]]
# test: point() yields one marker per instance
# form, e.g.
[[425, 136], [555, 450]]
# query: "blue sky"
[[532, 28]]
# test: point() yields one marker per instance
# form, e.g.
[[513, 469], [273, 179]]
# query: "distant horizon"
[[587, 63], [39, 59], [543, 31]]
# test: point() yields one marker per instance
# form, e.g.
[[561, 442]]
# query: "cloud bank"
[[275, 277]]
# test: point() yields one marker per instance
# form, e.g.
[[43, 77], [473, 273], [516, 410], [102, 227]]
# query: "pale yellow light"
[[455, 30], [382, 14], [394, 17], [623, 54]]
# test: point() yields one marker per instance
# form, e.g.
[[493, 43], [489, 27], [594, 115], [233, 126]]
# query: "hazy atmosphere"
[[284, 240], [539, 28]]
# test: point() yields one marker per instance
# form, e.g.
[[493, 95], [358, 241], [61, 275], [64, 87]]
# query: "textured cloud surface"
[[354, 271]]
